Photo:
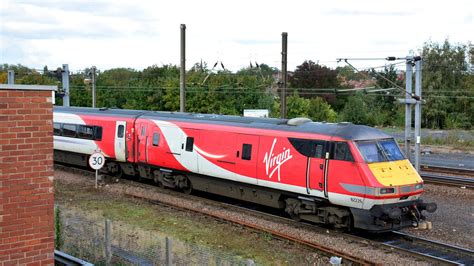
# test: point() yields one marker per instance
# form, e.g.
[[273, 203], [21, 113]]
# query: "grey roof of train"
[[344, 130]]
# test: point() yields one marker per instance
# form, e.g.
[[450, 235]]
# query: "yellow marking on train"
[[395, 173]]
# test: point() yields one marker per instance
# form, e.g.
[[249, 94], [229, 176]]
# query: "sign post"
[[96, 161]]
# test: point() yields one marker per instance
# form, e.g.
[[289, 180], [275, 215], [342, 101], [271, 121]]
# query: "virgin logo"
[[274, 162]]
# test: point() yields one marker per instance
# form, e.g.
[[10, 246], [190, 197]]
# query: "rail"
[[448, 180], [63, 259], [432, 250], [347, 258], [428, 249], [465, 172], [448, 176]]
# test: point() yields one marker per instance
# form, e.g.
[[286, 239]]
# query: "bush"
[[297, 106], [320, 110], [355, 110]]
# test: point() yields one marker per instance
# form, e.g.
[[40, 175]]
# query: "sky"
[[138, 34]]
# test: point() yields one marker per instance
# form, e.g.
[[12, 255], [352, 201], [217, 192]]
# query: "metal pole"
[[93, 87], [284, 76], [409, 89], [11, 77], [182, 80], [65, 81], [418, 67], [96, 179], [107, 242], [169, 254]]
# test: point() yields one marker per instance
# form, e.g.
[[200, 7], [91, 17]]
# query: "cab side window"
[[342, 152], [309, 147]]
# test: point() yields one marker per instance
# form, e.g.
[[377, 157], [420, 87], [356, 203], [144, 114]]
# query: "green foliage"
[[348, 73], [320, 110], [58, 229], [297, 106], [448, 89], [355, 110], [387, 102], [446, 81], [312, 75]]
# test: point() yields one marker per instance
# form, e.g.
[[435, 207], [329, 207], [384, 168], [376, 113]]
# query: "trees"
[[297, 106], [320, 110], [355, 110], [446, 85], [448, 89], [312, 75]]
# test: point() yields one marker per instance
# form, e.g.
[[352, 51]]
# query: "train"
[[339, 174]]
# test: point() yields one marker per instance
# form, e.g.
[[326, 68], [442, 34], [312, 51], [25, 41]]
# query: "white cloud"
[[110, 33]]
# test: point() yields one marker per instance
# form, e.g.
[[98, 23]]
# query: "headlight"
[[419, 186], [387, 190]]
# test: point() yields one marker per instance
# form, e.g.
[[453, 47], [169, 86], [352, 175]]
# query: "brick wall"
[[26, 176]]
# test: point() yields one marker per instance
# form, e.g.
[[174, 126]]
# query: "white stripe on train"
[[174, 134], [84, 146]]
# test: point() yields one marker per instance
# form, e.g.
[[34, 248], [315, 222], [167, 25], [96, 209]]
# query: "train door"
[[247, 155], [189, 157], [156, 148], [142, 142], [120, 143], [317, 167]]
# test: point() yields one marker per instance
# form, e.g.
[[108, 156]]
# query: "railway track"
[[328, 251], [438, 252], [448, 176], [448, 180], [448, 170], [63, 259], [428, 250]]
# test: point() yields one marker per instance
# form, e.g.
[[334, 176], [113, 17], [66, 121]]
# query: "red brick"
[[23, 135], [9, 147], [17, 141], [26, 201], [15, 94]]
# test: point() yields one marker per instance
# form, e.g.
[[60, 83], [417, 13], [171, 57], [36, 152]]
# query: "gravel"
[[453, 222], [327, 238]]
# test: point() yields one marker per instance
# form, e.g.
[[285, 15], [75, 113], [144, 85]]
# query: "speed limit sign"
[[96, 161]]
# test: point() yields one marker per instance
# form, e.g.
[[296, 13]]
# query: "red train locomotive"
[[340, 174]]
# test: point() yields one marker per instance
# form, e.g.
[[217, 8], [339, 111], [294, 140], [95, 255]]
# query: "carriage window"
[[156, 139], [120, 131], [97, 133], [57, 129], [308, 147], [342, 152], [143, 130], [189, 143], [247, 152], [85, 132], [69, 130]]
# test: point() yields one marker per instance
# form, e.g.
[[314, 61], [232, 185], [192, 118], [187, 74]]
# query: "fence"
[[104, 242]]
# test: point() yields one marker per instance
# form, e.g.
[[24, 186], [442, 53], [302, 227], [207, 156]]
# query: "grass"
[[188, 227]]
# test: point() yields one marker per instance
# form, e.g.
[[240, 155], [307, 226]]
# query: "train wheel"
[[120, 174], [295, 217], [188, 188], [158, 182]]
